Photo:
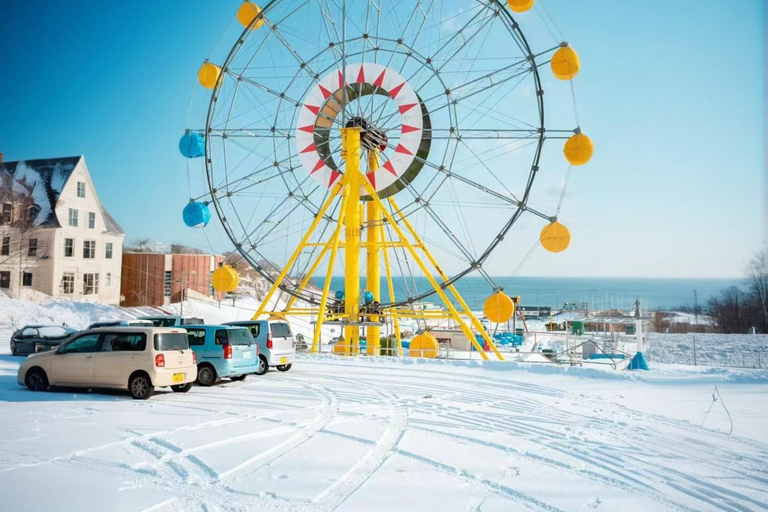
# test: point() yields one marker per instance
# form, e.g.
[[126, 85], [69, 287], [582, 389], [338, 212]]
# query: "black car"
[[39, 338]]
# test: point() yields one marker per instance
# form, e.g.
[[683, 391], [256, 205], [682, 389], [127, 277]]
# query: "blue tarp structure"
[[501, 339], [638, 362]]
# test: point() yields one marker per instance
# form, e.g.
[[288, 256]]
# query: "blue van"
[[222, 352]]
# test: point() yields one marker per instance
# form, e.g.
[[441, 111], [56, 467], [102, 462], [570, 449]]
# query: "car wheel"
[[182, 388], [284, 367], [239, 377], [36, 380], [140, 387], [206, 375], [263, 366]]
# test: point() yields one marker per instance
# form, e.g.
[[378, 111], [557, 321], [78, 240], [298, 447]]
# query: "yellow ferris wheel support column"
[[350, 151], [373, 274]]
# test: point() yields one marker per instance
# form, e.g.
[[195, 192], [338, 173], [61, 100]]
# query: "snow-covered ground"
[[388, 434], [736, 350]]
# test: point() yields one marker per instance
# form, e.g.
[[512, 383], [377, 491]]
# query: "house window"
[[108, 279], [108, 249], [68, 283], [5, 279], [80, 189], [32, 251], [7, 214], [73, 218], [89, 249], [90, 284], [5, 250], [91, 220], [168, 279], [26, 279], [69, 247]]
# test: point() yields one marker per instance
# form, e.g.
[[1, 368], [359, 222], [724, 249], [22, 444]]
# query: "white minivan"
[[277, 347], [134, 358]]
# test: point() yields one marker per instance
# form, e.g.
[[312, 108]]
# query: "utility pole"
[[695, 310], [181, 304], [694, 351]]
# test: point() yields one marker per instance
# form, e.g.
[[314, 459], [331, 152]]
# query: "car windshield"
[[240, 337], [52, 331], [163, 322], [171, 341], [280, 330]]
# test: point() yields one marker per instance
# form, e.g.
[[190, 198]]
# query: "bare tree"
[[757, 273]]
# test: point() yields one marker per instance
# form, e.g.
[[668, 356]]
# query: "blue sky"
[[672, 93]]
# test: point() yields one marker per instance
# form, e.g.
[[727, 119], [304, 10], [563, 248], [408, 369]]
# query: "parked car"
[[222, 352], [171, 320], [120, 323], [277, 347], [39, 338], [132, 358]]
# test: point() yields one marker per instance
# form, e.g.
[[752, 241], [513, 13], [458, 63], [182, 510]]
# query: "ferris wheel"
[[412, 132]]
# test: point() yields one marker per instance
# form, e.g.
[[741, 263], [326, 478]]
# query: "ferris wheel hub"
[[332, 98]]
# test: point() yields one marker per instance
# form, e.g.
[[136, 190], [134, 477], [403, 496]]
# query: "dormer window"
[[32, 212], [80, 189]]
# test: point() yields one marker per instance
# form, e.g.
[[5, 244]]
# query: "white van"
[[277, 348], [171, 320], [132, 358]]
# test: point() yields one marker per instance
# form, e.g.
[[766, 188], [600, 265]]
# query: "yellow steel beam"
[[329, 273], [464, 327], [296, 253], [467, 311], [350, 151], [395, 319], [310, 272], [373, 248]]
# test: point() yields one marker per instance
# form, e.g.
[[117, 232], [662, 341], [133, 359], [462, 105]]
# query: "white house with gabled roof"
[[55, 235]]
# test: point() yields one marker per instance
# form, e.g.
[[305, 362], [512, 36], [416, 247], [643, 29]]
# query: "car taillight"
[[269, 341], [160, 361], [194, 358], [227, 351]]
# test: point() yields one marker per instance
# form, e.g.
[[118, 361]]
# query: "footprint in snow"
[[593, 503]]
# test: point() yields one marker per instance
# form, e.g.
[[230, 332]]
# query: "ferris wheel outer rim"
[[313, 299]]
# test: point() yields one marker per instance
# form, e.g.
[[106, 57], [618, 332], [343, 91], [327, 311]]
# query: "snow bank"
[[79, 315]]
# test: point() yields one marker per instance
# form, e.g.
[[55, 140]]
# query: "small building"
[[55, 235], [157, 279]]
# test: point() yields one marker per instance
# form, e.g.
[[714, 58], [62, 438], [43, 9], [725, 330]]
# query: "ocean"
[[598, 292]]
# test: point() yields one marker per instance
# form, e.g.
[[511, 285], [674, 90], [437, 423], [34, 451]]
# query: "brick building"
[[156, 279]]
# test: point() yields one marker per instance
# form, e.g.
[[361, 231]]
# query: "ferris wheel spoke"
[[303, 65], [398, 43]]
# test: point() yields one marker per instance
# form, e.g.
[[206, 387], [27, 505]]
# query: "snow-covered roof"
[[43, 180]]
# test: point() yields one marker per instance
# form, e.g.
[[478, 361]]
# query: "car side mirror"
[[60, 350]]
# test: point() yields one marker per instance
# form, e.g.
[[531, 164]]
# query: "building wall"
[[143, 279], [18, 261], [107, 269], [143, 282]]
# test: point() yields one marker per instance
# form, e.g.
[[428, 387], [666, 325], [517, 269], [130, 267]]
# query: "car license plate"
[[178, 377], [247, 355], [283, 360]]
